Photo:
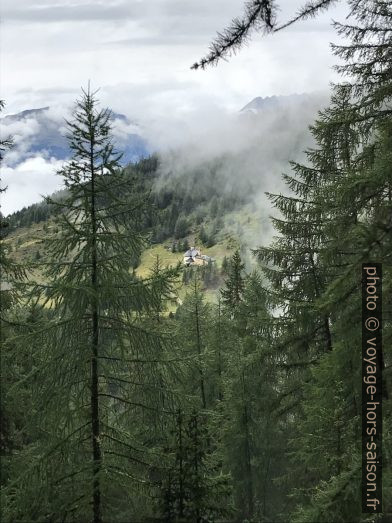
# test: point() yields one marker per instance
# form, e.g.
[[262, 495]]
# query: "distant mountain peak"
[[25, 114], [260, 103], [47, 138]]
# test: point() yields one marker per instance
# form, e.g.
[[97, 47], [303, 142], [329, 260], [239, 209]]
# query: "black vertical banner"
[[372, 362]]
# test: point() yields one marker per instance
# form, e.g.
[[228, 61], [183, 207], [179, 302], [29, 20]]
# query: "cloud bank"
[[248, 147], [28, 182], [140, 54], [249, 150]]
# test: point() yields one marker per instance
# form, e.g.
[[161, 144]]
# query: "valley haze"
[[254, 144]]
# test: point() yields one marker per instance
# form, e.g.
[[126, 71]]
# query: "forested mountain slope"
[[197, 209]]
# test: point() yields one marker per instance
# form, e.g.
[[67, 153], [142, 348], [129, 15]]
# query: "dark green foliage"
[[100, 366], [181, 228], [209, 275], [194, 489], [192, 339], [251, 433], [208, 235], [203, 236], [225, 265], [232, 293], [36, 213]]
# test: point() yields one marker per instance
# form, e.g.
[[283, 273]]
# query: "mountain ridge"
[[39, 132]]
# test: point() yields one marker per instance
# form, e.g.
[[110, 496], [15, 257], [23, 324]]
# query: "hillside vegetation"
[[184, 213]]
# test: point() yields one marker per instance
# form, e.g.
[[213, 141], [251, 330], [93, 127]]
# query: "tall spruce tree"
[[245, 368], [234, 283], [195, 488], [98, 355], [193, 316]]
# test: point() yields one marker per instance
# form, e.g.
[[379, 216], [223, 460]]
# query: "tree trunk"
[[248, 465], [181, 478], [198, 341], [95, 428]]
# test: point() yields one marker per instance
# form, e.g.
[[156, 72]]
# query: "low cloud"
[[39, 147], [248, 150], [143, 51], [23, 133], [37, 132], [25, 180], [252, 145]]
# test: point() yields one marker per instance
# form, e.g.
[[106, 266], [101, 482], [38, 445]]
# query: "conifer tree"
[[248, 392], [195, 488], [192, 334], [98, 356], [234, 283]]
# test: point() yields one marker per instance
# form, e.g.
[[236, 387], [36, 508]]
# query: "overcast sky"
[[139, 53]]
